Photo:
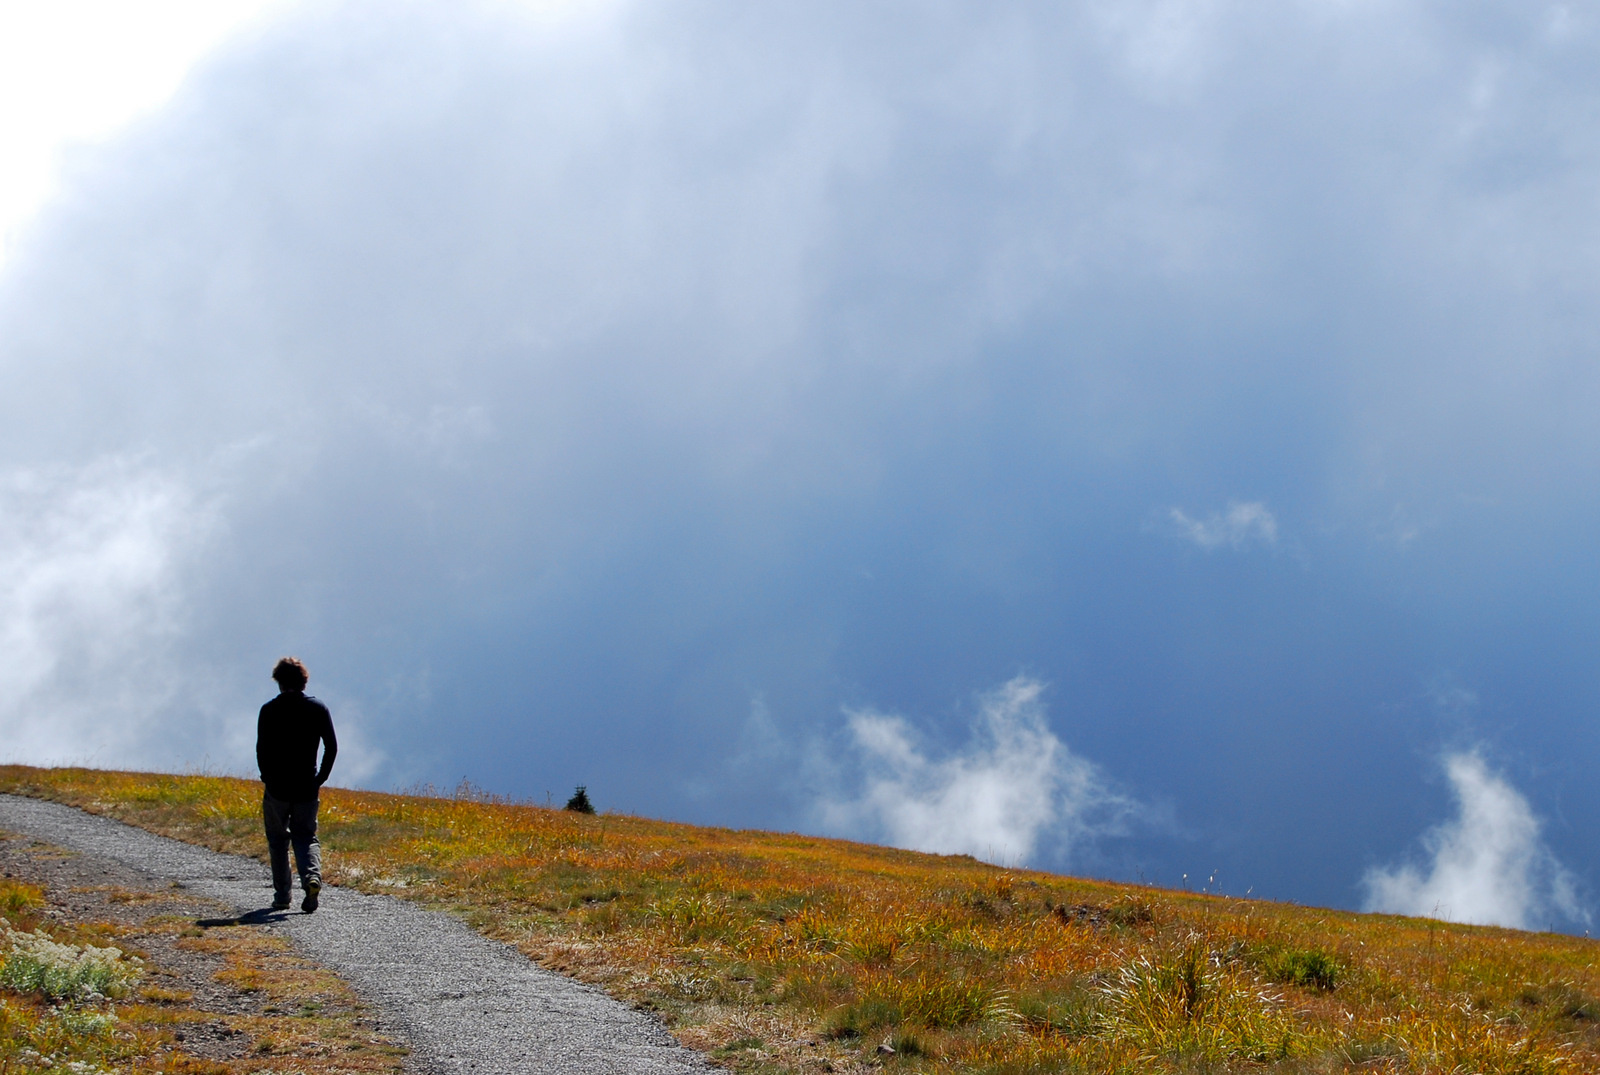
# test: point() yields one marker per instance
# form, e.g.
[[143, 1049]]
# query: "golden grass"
[[778, 952]]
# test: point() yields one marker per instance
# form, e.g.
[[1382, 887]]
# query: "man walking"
[[287, 734]]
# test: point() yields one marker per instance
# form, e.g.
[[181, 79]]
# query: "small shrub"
[[34, 963], [603, 918], [16, 897], [1130, 912], [739, 1045], [58, 1039], [925, 1000], [933, 1001], [696, 916], [1309, 968], [1190, 1003], [906, 1043], [579, 803], [1075, 1013], [812, 927], [156, 994], [872, 1012], [879, 938]]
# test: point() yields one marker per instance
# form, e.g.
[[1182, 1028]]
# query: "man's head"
[[290, 674]]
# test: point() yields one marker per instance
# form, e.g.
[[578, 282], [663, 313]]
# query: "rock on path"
[[464, 1003]]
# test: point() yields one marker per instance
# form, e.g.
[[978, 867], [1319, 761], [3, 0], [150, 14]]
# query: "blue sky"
[[1146, 439]]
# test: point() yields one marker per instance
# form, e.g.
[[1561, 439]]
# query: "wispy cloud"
[[1489, 865], [1242, 525], [1014, 785]]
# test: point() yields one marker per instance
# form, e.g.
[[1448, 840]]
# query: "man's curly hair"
[[290, 673]]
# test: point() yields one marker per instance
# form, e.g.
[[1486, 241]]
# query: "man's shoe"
[[313, 890], [280, 903]]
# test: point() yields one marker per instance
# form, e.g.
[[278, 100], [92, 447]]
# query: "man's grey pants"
[[291, 823]]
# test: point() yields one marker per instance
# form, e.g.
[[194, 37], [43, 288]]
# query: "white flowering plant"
[[35, 963]]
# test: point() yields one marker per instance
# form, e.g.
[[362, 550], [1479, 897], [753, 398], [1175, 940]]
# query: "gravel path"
[[462, 1002]]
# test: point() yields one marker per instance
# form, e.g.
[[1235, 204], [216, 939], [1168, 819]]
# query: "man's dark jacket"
[[287, 734]]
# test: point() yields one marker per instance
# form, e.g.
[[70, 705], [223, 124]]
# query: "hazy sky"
[[1140, 438]]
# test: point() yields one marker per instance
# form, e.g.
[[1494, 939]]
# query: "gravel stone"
[[463, 1003]]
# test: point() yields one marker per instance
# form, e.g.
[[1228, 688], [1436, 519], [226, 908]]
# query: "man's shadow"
[[263, 916]]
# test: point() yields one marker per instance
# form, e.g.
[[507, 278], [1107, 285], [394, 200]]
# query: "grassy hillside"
[[790, 953]]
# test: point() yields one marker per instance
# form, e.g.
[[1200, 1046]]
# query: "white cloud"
[[75, 71], [107, 572], [1489, 865], [90, 604], [1241, 526], [1014, 784]]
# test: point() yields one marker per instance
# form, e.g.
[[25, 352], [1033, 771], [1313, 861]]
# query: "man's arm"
[[330, 747], [261, 753]]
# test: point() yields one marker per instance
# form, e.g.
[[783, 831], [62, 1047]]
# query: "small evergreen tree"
[[579, 803]]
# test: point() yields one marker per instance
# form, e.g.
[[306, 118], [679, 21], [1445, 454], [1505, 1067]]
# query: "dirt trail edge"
[[464, 1003]]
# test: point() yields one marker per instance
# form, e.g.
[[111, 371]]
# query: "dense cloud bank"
[[557, 385]]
